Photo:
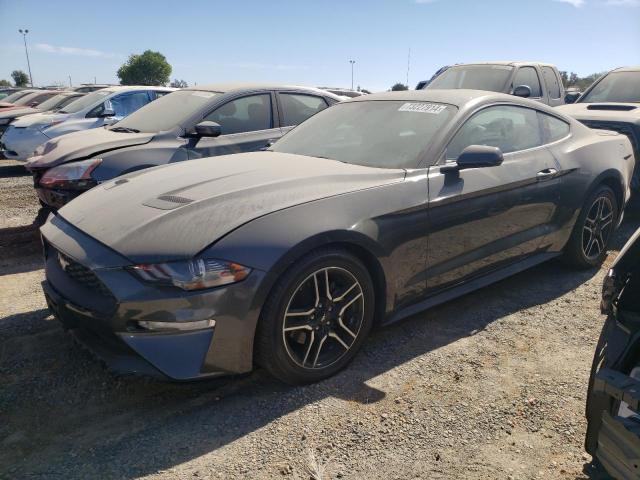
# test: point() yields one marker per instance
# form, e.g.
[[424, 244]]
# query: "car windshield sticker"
[[203, 94], [422, 108]]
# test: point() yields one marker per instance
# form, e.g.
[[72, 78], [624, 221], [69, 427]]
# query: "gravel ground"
[[491, 385]]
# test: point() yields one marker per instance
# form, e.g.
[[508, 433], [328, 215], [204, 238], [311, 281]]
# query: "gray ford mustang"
[[368, 212]]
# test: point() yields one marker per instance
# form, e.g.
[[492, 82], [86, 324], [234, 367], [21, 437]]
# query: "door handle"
[[546, 173]]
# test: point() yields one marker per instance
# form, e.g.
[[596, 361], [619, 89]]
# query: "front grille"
[[83, 275]]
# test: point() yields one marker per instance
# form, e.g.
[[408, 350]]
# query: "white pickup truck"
[[534, 80]]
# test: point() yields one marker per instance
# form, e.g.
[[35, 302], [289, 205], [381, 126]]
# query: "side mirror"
[[475, 156], [208, 129], [107, 112], [523, 91], [571, 97]]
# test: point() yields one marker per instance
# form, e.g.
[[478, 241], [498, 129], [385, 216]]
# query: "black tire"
[[574, 252], [276, 348]]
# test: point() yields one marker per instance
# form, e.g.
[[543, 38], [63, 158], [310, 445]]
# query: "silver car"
[[99, 108]]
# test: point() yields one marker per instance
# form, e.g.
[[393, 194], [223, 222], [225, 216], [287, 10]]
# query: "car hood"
[[14, 112], [84, 144], [175, 211], [37, 119], [616, 112]]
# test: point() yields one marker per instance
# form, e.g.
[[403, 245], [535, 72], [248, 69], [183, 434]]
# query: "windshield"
[[166, 112], [477, 77], [16, 95], [53, 102], [384, 134], [615, 87], [86, 101], [31, 97]]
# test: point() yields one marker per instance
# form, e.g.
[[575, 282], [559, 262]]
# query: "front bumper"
[[20, 143], [56, 199], [618, 437], [101, 305], [613, 438]]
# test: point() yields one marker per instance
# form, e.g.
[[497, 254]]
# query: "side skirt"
[[469, 286]]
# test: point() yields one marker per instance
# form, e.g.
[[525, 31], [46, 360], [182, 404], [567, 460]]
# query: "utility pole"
[[352, 62], [24, 37], [70, 81], [408, 66]]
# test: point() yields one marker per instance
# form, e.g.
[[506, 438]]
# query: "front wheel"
[[593, 230], [316, 318]]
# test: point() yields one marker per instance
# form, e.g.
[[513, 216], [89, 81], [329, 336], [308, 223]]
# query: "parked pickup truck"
[[613, 103], [537, 81]]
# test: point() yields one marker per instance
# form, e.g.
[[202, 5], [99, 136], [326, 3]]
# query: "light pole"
[[24, 37], [352, 62]]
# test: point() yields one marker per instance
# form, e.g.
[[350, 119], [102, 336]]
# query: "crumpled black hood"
[[84, 144], [175, 211]]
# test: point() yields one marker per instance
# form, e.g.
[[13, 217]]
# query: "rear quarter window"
[[553, 129]]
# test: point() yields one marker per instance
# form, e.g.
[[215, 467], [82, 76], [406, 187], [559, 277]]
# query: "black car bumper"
[[56, 199], [102, 305], [613, 434]]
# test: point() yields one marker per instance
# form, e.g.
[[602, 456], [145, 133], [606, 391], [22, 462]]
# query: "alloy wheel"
[[597, 228], [323, 318]]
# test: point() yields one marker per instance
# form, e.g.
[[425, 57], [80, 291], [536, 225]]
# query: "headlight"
[[71, 176], [51, 124], [39, 151], [192, 274]]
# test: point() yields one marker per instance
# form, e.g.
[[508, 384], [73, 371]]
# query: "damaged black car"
[[613, 399]]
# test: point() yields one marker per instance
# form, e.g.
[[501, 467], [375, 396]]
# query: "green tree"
[[150, 68], [179, 84], [399, 87], [20, 78], [5, 83]]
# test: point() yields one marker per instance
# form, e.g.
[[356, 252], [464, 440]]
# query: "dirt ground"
[[489, 386]]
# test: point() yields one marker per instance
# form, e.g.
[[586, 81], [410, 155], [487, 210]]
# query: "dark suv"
[[203, 121]]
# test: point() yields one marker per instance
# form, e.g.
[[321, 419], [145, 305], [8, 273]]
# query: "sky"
[[311, 42]]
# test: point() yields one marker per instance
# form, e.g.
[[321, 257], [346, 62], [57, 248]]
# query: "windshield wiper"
[[124, 129]]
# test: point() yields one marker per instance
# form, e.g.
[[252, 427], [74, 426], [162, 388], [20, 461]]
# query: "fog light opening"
[[173, 326]]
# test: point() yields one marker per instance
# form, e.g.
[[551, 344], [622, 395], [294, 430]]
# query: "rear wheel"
[[316, 318], [593, 230]]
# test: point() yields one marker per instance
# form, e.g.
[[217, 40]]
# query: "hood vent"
[[619, 107], [167, 202]]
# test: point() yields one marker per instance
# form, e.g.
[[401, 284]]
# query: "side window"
[[127, 103], [159, 93], [509, 128], [296, 108], [245, 114], [553, 128], [551, 79], [529, 77]]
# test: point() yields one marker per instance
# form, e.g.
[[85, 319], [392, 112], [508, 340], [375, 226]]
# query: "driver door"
[[247, 125], [485, 218]]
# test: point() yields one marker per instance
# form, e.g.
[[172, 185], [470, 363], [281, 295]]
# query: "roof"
[[236, 86], [628, 69], [456, 97], [515, 63], [126, 88]]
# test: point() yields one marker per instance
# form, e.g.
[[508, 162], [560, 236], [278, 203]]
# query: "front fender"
[[386, 225]]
